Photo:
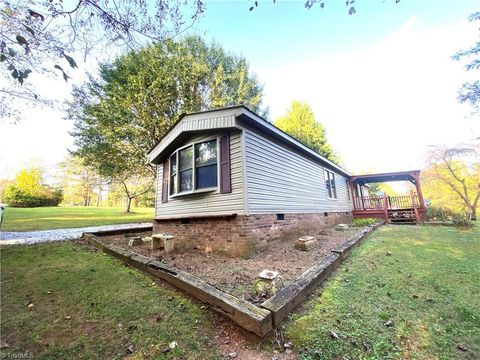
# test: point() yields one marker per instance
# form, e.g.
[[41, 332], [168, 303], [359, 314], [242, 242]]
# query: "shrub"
[[15, 197], [364, 222], [438, 213], [462, 220]]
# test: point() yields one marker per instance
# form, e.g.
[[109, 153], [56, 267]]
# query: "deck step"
[[402, 216]]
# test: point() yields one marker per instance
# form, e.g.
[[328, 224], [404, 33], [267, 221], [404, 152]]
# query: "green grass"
[[59, 217], [110, 306], [426, 280]]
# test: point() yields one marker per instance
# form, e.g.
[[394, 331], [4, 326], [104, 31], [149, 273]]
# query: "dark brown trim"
[[195, 216]]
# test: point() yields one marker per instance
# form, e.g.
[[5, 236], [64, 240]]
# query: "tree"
[[29, 189], [47, 36], [470, 91], [299, 122], [80, 182], [452, 178], [124, 112]]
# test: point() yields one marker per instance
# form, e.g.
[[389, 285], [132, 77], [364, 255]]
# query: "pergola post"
[[352, 194], [385, 207], [419, 190]]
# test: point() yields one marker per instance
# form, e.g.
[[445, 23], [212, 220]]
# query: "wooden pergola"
[[398, 209]]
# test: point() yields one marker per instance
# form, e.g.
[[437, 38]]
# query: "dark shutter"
[[225, 178], [165, 182]]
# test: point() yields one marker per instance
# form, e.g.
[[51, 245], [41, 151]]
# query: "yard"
[[406, 293], [59, 217], [85, 305]]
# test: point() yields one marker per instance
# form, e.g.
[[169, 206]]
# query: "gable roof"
[[227, 118]]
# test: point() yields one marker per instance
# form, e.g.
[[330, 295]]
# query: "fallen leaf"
[[68, 317], [232, 355], [334, 335], [389, 323], [30, 306]]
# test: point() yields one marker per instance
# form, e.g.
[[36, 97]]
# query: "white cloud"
[[384, 105]]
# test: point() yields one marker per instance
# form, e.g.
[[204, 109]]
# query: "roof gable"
[[226, 118]]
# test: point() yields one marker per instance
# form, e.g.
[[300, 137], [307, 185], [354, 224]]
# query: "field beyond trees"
[[62, 217]]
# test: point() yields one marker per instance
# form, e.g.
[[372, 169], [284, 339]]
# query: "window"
[[206, 164], [194, 167], [330, 184]]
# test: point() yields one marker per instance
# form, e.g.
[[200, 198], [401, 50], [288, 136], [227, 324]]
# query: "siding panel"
[[210, 202], [279, 180]]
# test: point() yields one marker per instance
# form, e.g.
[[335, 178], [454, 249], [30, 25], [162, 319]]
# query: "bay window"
[[194, 167]]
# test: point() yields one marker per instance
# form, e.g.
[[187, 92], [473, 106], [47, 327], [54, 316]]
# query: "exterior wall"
[[207, 203], [242, 235], [280, 180]]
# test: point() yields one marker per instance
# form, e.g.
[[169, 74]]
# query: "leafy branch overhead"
[[48, 37], [470, 91], [350, 4]]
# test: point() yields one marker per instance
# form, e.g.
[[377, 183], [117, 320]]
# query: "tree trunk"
[[474, 213], [129, 203], [99, 197]]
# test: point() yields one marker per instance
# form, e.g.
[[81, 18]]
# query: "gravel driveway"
[[33, 237]]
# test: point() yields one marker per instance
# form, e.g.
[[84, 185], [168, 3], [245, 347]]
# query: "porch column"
[[419, 191], [352, 194]]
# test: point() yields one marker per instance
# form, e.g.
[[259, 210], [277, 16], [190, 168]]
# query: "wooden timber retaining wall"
[[257, 319]]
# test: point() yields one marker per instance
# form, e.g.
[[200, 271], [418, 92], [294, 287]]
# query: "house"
[[230, 181]]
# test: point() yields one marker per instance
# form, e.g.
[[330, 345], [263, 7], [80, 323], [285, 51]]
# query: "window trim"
[[194, 175]]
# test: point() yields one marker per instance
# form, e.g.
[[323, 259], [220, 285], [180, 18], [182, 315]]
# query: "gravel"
[[34, 237]]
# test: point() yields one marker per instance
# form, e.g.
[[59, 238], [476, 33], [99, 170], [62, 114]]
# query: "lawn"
[[58, 217], [86, 305], [407, 292]]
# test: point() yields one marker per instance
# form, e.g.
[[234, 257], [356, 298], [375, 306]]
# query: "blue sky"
[[379, 78], [282, 32]]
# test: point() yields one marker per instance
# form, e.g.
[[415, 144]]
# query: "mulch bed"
[[236, 275]]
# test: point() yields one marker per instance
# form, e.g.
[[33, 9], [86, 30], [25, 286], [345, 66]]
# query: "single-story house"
[[230, 181]]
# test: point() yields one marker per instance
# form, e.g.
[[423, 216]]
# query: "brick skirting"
[[242, 235]]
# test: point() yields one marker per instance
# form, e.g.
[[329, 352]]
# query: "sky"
[[382, 82]]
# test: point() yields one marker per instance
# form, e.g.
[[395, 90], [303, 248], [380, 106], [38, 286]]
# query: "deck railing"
[[402, 202], [393, 202], [369, 203]]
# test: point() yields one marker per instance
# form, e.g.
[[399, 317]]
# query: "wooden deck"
[[393, 209]]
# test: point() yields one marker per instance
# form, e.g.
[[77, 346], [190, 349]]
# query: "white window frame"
[[332, 193], [194, 176]]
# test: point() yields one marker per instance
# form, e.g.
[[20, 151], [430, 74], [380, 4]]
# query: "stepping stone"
[[306, 243]]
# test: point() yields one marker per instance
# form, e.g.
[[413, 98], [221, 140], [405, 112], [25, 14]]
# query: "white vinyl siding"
[[207, 203], [280, 180]]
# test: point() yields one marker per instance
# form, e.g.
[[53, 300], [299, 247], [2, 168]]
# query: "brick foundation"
[[241, 235]]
